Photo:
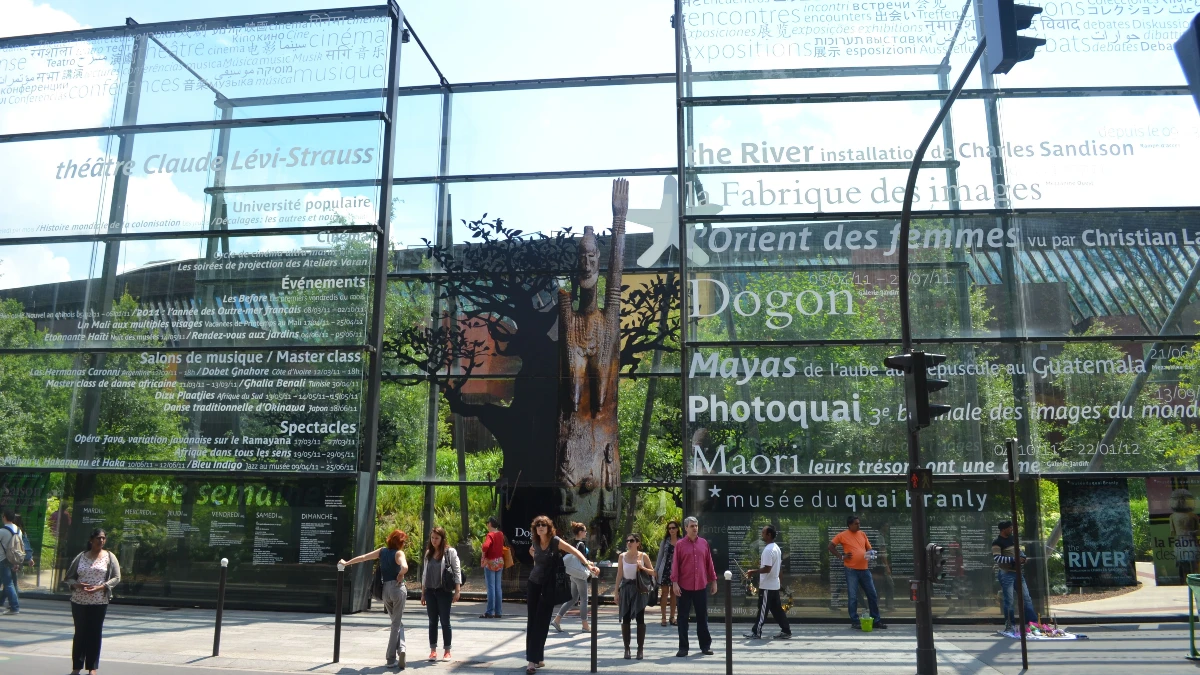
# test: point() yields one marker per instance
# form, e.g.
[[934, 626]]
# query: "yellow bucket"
[[867, 624]]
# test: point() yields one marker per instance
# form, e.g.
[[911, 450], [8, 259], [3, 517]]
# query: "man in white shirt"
[[768, 587]]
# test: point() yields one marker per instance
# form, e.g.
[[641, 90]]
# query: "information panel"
[[962, 518], [275, 532]]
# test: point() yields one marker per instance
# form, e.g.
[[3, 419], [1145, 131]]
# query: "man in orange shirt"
[[855, 559]]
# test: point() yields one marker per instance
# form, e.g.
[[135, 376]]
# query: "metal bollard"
[[595, 614], [337, 615], [728, 622], [220, 607]]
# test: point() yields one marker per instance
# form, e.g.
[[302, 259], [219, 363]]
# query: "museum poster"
[[1174, 526], [1097, 532]]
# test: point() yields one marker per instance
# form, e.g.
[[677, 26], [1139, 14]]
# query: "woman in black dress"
[[662, 566], [540, 590]]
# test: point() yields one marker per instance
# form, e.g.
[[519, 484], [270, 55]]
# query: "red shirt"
[[493, 545], [692, 565]]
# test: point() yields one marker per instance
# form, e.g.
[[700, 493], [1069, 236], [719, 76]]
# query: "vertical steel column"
[[364, 531], [116, 216], [443, 238], [1015, 313], [681, 159], [218, 218]]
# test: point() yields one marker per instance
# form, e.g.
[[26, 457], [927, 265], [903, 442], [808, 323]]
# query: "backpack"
[[15, 553]]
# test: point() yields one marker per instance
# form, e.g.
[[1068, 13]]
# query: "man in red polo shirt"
[[692, 570]]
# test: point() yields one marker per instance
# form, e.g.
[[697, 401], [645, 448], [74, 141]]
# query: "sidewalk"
[[293, 642], [1148, 601]]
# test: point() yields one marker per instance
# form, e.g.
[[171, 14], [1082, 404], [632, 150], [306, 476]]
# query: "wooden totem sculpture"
[[589, 466]]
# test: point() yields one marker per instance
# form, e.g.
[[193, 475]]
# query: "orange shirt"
[[855, 544]]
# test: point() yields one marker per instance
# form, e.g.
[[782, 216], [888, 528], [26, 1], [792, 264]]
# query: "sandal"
[[674, 623], [530, 670]]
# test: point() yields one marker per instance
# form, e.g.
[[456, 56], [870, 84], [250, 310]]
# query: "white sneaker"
[[11, 611]]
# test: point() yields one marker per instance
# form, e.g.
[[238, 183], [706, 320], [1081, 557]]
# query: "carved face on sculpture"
[[589, 259]]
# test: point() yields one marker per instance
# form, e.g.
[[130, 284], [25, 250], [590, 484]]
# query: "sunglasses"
[[631, 541]]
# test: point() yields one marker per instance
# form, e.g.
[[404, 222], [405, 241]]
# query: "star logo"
[[714, 491], [664, 222]]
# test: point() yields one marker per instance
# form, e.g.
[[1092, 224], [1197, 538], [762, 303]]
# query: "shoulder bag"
[[647, 583], [506, 552], [449, 578], [377, 582]]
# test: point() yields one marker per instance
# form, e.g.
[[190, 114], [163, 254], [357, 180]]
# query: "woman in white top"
[[633, 598], [91, 577]]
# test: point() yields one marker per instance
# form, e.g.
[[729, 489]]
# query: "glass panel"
[[335, 51], [54, 85], [962, 517], [513, 40], [564, 129], [258, 291], [286, 410], [796, 411], [170, 532], [551, 205], [1102, 153]]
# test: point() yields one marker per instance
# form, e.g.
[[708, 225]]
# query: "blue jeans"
[[853, 579], [10, 586], [1008, 581], [495, 594]]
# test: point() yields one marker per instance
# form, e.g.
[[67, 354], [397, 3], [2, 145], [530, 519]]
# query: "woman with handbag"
[[393, 565], [493, 568], [91, 576], [662, 567], [546, 550], [579, 578], [637, 582], [442, 583]]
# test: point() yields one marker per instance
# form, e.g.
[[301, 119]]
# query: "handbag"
[[560, 590], [377, 583], [506, 553], [449, 578], [647, 583]]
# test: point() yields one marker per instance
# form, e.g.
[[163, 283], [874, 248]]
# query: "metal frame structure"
[[1112, 287]]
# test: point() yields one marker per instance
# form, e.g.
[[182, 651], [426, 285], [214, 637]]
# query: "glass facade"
[[206, 349]]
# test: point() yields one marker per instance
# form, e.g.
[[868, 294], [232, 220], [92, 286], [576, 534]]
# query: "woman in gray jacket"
[[441, 582], [91, 578]]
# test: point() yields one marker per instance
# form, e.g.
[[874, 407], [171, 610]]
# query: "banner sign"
[[1097, 532]]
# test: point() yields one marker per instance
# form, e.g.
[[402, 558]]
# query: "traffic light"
[[918, 385], [1001, 21], [935, 562], [1188, 51], [924, 385]]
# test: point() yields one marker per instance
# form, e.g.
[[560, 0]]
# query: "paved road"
[[144, 640], [33, 664], [1122, 649]]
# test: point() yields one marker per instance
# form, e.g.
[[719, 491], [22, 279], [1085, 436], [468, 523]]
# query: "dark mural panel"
[[1097, 532], [962, 517], [282, 536]]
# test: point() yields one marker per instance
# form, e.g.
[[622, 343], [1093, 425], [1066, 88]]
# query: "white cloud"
[[31, 265], [23, 17]]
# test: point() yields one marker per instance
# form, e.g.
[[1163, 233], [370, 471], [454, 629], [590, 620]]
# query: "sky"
[[1152, 139]]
